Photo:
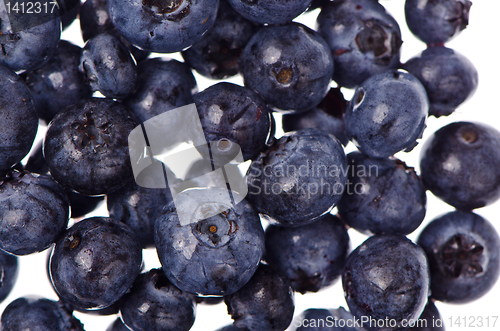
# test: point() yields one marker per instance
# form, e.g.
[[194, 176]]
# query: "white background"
[[479, 43]]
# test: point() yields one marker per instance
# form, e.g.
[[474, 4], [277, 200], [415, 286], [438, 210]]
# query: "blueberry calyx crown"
[[89, 134], [461, 255]]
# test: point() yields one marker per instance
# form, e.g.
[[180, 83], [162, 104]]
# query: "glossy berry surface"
[[232, 116], [95, 262], [138, 207], [327, 116], [58, 83], [463, 250], [387, 113], [35, 313], [8, 273], [438, 21], [363, 38], [264, 303], [86, 147], [277, 64], [34, 212], [449, 78], [117, 325], [311, 256], [218, 53], [270, 11], [386, 277], [155, 304], [458, 164], [29, 40], [18, 119], [163, 26], [94, 20], [299, 178], [382, 196], [108, 66], [162, 85], [214, 255]]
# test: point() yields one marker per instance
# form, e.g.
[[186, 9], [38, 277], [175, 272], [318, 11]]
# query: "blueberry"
[[299, 178], [449, 78], [138, 207], [94, 20], [217, 54], [387, 113], [86, 146], [108, 66], [463, 250], [430, 320], [95, 262], [314, 320], [438, 21], [30, 39], [163, 26], [386, 278], [208, 300], [277, 63], [35, 313], [162, 85], [459, 164], [382, 196], [233, 116], [209, 255], [58, 83], [18, 119], [363, 38], [8, 273], [264, 303], [155, 304], [270, 11], [34, 212], [311, 256], [327, 116]]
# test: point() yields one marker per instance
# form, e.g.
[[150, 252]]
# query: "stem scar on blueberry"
[[72, 241], [284, 75], [462, 256]]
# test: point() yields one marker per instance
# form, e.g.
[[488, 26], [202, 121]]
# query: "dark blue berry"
[[217, 54], [299, 178], [449, 78], [270, 11], [35, 313], [162, 85], [155, 304], [437, 21], [463, 250], [459, 164], [117, 326], [429, 320], [233, 117], [34, 212], [264, 303], [8, 274], [206, 245], [363, 38], [95, 262], [311, 256], [18, 119], [163, 26], [327, 116], [58, 83], [386, 278], [382, 196], [138, 207], [29, 39], [86, 146], [387, 113], [108, 66], [290, 66], [94, 20], [68, 9]]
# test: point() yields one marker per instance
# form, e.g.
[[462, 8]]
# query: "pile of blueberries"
[[282, 236]]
